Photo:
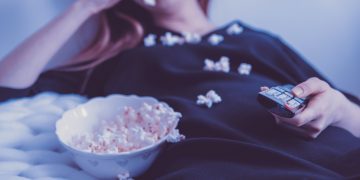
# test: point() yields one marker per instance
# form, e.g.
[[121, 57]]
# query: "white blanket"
[[29, 148]]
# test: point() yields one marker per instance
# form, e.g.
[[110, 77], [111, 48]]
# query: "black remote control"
[[280, 101]]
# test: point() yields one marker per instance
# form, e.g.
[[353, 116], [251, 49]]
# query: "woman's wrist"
[[350, 118], [354, 118]]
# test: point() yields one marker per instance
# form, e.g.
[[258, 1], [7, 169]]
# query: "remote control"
[[280, 101]]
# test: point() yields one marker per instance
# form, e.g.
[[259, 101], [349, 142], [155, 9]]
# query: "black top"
[[56, 81], [236, 138]]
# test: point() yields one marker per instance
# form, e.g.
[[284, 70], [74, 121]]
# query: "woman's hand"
[[326, 107], [96, 6]]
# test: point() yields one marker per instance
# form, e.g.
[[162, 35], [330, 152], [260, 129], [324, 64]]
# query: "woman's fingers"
[[264, 88], [311, 112], [300, 131], [311, 130], [311, 86], [308, 123], [315, 127], [314, 110]]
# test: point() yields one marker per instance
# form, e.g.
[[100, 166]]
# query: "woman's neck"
[[188, 18]]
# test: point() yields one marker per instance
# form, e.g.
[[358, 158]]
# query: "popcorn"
[[203, 100], [223, 65], [150, 2], [174, 136], [124, 176], [235, 29], [150, 40], [131, 129], [191, 38], [215, 39], [209, 99], [244, 69], [213, 96], [170, 40]]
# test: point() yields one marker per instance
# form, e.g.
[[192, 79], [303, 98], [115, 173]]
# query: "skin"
[[327, 106], [179, 15]]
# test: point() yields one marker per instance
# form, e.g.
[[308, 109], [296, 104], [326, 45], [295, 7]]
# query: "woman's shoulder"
[[253, 31], [239, 32]]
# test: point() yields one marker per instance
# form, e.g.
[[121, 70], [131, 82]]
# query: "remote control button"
[[283, 97], [292, 104], [287, 87], [299, 100], [273, 92], [279, 89], [289, 94]]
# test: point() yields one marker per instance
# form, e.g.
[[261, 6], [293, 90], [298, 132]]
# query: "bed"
[[29, 148]]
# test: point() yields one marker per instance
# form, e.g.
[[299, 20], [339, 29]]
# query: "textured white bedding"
[[29, 148]]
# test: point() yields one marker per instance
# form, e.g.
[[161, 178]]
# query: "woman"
[[234, 138]]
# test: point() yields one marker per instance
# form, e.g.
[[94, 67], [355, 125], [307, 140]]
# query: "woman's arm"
[[21, 68]]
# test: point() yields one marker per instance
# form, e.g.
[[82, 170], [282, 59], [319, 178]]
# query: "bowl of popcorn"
[[118, 136]]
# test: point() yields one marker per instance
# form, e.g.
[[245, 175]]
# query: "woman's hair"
[[121, 27]]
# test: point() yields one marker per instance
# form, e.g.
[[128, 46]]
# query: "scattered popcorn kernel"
[[209, 99], [203, 100], [170, 40], [244, 69], [215, 39], [223, 65], [124, 176], [191, 38], [215, 98], [235, 29], [150, 40]]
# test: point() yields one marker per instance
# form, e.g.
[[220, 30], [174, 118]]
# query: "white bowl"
[[82, 119]]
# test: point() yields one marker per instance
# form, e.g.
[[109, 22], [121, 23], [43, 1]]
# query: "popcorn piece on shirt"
[[244, 69], [209, 99], [150, 2], [150, 40], [203, 100], [170, 40], [191, 38], [223, 65], [215, 39], [215, 98], [210, 65], [235, 29]]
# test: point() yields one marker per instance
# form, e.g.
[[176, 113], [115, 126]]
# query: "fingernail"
[[297, 91], [264, 88]]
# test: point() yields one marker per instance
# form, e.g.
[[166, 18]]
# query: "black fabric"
[[56, 81], [65, 82], [236, 138]]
